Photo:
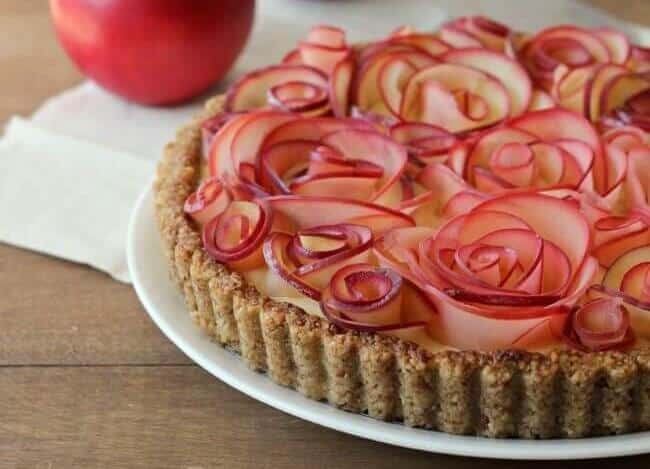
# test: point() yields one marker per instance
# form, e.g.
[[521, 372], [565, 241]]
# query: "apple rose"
[[607, 92], [503, 275], [628, 280], [425, 143], [291, 88], [314, 79], [602, 324], [319, 236], [439, 195], [364, 297], [460, 90], [615, 235], [627, 187], [286, 154], [209, 129], [235, 236], [353, 163], [209, 200], [570, 47], [639, 60], [308, 259], [545, 149], [474, 31]]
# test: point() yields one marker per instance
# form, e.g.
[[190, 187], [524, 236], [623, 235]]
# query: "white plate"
[[148, 270]]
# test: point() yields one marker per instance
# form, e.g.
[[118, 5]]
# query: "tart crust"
[[503, 394]]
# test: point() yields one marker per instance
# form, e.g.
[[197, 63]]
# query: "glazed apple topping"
[[476, 187]]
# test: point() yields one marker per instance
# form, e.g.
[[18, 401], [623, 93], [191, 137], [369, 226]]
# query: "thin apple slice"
[[311, 129], [326, 35], [602, 324], [426, 42], [391, 81], [615, 235], [379, 151], [246, 144], [425, 143], [323, 48], [251, 91], [454, 97], [510, 73], [209, 129], [368, 94], [487, 32], [488, 145], [292, 58], [559, 124], [618, 44], [363, 297], [316, 211], [208, 201], [320, 57], [627, 278], [534, 210], [570, 88], [540, 100], [309, 259], [235, 237], [458, 38], [219, 160], [639, 60], [279, 162], [603, 76], [341, 85], [569, 46], [298, 97], [621, 89]]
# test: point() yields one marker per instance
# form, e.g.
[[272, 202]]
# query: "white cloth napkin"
[[69, 177], [67, 197]]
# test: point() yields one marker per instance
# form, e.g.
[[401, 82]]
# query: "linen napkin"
[[69, 177], [67, 197]]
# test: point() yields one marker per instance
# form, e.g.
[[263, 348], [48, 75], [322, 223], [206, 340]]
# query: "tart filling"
[[475, 188]]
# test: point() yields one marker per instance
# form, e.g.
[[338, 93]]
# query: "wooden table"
[[87, 380]]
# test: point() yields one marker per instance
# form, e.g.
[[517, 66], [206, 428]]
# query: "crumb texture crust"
[[561, 394]]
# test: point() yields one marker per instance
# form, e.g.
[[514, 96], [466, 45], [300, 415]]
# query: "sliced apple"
[[602, 324], [315, 211], [510, 73], [617, 43], [341, 85], [621, 89], [251, 91], [208, 201], [454, 97], [391, 81], [488, 32], [246, 144], [426, 42], [298, 97]]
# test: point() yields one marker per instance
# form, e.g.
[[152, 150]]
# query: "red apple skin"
[[153, 51]]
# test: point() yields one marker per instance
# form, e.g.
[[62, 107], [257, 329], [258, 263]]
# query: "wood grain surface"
[[87, 380]]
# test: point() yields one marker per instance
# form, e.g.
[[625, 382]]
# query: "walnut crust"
[[504, 394]]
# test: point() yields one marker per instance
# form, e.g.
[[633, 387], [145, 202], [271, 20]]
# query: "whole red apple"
[[153, 51]]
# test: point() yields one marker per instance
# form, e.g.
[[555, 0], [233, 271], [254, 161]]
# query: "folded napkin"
[[67, 197], [69, 177]]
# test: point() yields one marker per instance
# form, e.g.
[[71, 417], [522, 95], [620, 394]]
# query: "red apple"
[[153, 51]]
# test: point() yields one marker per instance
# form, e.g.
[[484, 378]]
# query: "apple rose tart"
[[449, 229]]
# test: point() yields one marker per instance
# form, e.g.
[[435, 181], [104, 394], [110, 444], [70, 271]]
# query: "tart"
[[448, 229]]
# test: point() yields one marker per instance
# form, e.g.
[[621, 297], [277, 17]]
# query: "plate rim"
[[360, 425]]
